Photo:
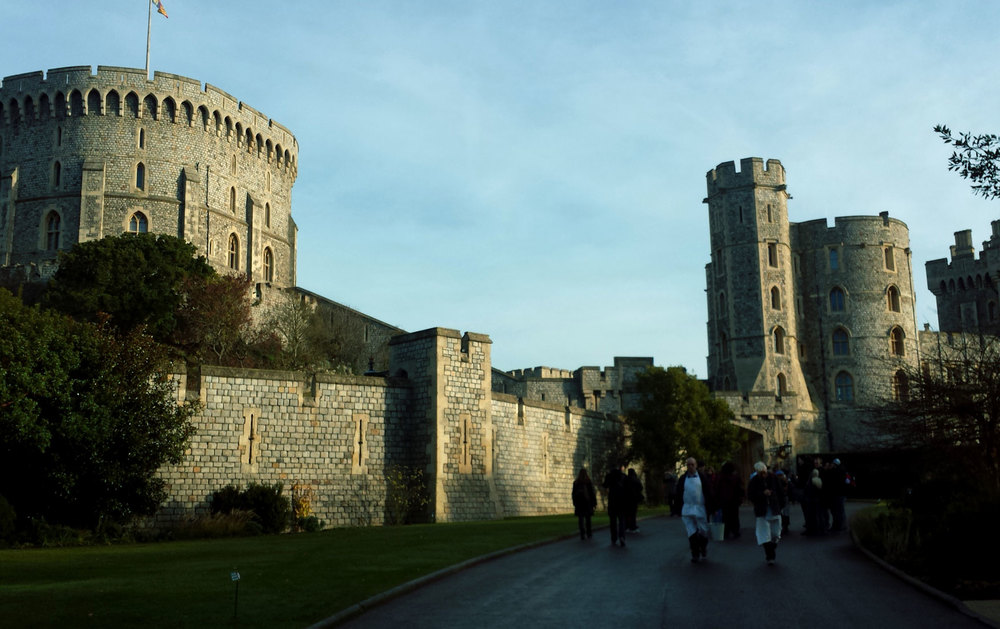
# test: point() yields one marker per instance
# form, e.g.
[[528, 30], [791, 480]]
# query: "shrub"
[[8, 522], [310, 524], [270, 509], [406, 494], [234, 523]]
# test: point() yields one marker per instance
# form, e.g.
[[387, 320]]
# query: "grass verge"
[[285, 580]]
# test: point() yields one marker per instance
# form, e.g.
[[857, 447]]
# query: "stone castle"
[[88, 154], [807, 323]]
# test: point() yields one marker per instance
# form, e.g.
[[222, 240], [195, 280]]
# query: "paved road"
[[817, 583]]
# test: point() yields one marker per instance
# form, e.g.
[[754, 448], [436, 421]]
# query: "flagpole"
[[149, 26]]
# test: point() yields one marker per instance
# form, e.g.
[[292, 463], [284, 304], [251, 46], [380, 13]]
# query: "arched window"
[[782, 385], [834, 260], [724, 342], [112, 104], [267, 214], [52, 231], [142, 138], [841, 342], [837, 299], [76, 104], [56, 174], [268, 265], [94, 103], [900, 386], [234, 252], [893, 298], [722, 304], [775, 298], [132, 104], [140, 176], [232, 200], [890, 259], [779, 340], [138, 224], [844, 387], [896, 342], [150, 107]]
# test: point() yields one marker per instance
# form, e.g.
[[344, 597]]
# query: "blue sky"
[[535, 171]]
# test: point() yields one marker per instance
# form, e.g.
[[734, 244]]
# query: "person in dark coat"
[[635, 498], [695, 499], [584, 502], [729, 491], [768, 499], [614, 482]]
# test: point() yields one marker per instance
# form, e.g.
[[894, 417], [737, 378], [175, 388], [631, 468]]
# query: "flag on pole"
[[159, 8]]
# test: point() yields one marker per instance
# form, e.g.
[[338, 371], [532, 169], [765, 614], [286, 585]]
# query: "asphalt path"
[[817, 582]]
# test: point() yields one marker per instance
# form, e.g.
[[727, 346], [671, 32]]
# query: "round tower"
[[85, 155]]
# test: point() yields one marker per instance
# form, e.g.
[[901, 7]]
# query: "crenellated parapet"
[[62, 93], [753, 171]]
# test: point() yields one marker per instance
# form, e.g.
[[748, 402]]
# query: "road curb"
[[359, 608], [917, 583]]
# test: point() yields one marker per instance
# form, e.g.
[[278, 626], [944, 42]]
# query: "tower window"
[[56, 175], [890, 259], [896, 345], [834, 260], [52, 231], [268, 265], [900, 386], [140, 176], [232, 200], [267, 214], [837, 299], [841, 342], [779, 340], [892, 296], [138, 224], [234, 252], [844, 387], [775, 298], [772, 254]]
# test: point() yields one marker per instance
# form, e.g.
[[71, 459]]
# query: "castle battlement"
[[867, 230], [78, 91], [753, 172]]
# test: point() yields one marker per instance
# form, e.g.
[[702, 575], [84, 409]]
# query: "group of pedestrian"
[[624, 496], [823, 492], [699, 494]]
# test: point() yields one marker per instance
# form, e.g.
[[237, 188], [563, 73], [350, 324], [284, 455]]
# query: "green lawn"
[[286, 580]]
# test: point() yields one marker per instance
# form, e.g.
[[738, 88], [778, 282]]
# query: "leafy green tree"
[[678, 418], [129, 279], [88, 417], [976, 158]]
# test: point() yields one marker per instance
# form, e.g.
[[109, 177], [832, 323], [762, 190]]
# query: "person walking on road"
[[614, 482], [584, 502], [635, 498], [767, 497], [729, 491], [695, 501]]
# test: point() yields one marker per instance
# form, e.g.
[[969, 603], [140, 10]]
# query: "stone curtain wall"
[[484, 455], [539, 449], [269, 427]]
